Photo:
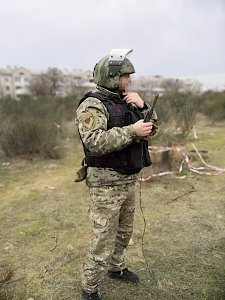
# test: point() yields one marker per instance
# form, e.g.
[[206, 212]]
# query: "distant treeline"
[[36, 126]]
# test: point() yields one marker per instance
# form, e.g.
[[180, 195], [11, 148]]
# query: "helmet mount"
[[116, 58]]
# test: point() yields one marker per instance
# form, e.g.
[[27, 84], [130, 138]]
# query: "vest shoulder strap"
[[97, 95]]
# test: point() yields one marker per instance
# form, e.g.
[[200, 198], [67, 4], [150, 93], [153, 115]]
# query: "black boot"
[[124, 275], [88, 296]]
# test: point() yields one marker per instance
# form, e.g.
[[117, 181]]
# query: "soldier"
[[112, 131]]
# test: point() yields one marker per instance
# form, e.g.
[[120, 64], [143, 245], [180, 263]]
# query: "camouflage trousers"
[[112, 213]]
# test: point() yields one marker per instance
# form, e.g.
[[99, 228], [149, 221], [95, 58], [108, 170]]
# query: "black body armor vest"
[[132, 158]]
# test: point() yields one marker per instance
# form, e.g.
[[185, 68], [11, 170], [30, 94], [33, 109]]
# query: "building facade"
[[15, 82]]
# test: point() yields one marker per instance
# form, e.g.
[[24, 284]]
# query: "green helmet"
[[108, 70]]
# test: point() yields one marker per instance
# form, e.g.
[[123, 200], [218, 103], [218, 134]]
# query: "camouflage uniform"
[[112, 194]]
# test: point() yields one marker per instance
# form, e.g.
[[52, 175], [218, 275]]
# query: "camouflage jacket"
[[91, 120]]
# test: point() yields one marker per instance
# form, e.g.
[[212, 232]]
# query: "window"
[[17, 79]]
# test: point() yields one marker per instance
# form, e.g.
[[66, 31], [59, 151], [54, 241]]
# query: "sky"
[[171, 38]]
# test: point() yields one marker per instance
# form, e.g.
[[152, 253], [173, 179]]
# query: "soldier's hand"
[[133, 97], [142, 129]]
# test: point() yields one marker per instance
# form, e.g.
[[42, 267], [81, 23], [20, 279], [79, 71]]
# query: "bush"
[[34, 126], [213, 105], [30, 137], [177, 115]]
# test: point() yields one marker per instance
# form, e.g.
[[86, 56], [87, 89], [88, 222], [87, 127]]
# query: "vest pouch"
[[132, 116], [133, 158], [138, 155]]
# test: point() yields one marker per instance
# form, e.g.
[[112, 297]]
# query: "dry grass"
[[45, 231]]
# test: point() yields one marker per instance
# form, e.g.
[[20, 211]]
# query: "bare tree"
[[49, 83]]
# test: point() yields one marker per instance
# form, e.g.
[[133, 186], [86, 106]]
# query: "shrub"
[[35, 126], [177, 115], [30, 137], [213, 105]]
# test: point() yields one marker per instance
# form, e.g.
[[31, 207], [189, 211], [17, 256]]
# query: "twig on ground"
[[55, 244], [176, 198], [14, 280]]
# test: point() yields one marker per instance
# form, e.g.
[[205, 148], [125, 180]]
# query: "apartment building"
[[14, 82], [73, 78]]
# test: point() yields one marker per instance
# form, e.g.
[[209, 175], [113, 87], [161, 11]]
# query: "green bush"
[[177, 115], [213, 105], [34, 126], [30, 137], [54, 109]]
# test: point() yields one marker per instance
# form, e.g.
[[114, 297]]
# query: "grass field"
[[45, 229]]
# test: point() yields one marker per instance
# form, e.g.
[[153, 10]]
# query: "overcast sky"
[[172, 38]]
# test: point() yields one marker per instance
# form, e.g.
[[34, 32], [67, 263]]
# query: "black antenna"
[[150, 112]]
